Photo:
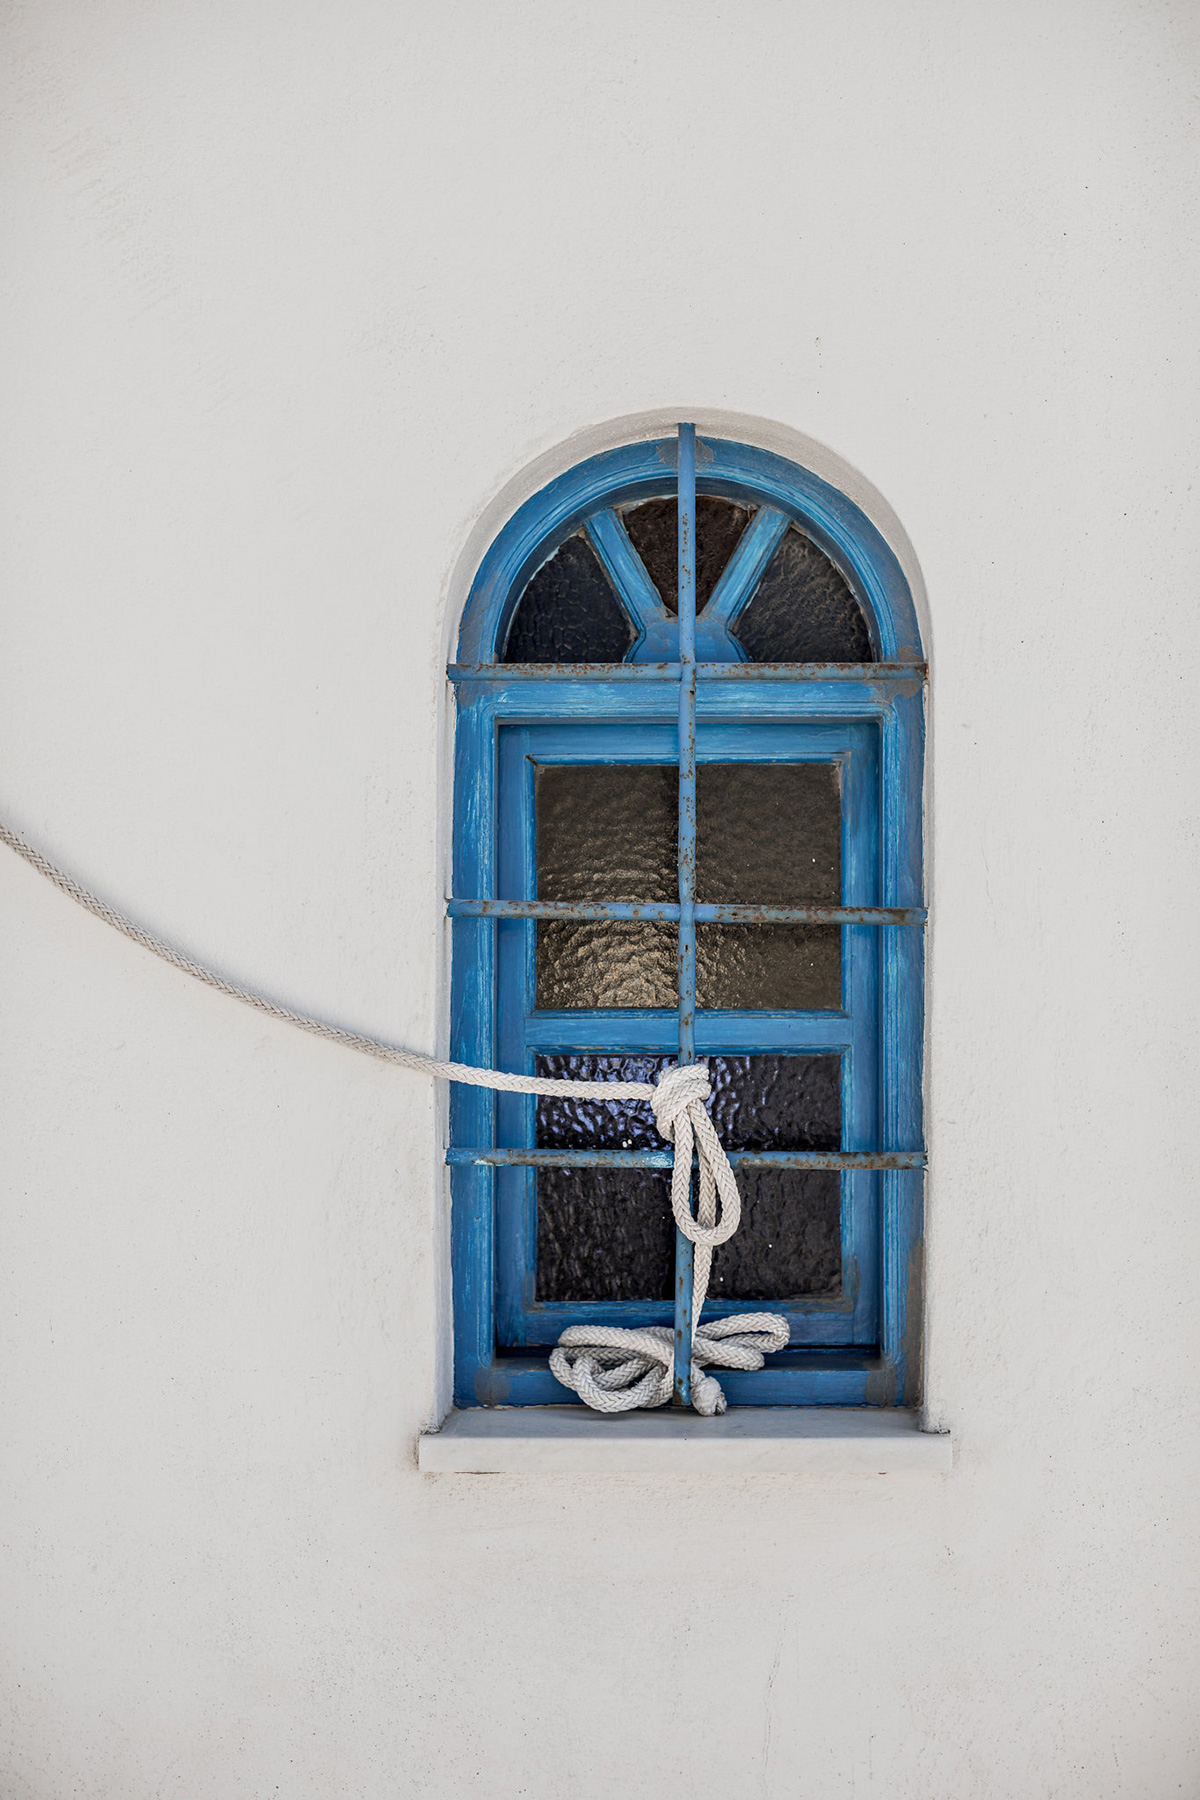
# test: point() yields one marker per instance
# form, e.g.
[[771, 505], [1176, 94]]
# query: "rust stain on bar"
[[705, 671], [684, 1251], [662, 1159], [666, 912]]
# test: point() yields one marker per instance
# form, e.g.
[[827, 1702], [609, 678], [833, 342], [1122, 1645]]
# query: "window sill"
[[750, 1440]]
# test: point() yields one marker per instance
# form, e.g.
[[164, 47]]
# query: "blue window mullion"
[[901, 1043], [684, 1255], [626, 571], [860, 1066], [739, 579], [516, 1194], [717, 1033], [472, 1039]]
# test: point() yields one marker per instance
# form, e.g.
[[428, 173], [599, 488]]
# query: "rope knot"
[[678, 1090], [682, 1118]]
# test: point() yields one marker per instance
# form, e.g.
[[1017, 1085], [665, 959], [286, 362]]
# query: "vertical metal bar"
[[682, 1395]]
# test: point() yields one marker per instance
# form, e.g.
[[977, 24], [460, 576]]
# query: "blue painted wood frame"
[[493, 1363], [849, 1033]]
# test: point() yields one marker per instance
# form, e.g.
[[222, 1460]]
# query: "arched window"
[[688, 825]]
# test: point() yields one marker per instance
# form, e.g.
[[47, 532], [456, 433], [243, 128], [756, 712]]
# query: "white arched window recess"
[[688, 825]]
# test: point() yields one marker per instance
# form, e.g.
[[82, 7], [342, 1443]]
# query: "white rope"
[[606, 1366], [614, 1370]]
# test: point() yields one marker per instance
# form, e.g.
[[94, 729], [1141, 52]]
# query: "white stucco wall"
[[298, 293]]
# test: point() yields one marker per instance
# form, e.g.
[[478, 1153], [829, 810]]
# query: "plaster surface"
[[300, 297]]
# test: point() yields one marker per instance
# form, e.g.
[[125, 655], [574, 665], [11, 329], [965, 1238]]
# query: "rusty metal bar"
[[668, 913], [662, 1159], [684, 1252], [705, 671]]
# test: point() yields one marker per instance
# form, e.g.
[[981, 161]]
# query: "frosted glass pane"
[[769, 968], [607, 832], [769, 834], [606, 1234], [601, 965], [790, 1245], [569, 613], [803, 610], [653, 529]]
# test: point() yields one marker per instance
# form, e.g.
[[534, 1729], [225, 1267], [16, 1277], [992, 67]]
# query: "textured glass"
[[653, 529], [789, 1245], [568, 612], [618, 965], [606, 1234], [803, 610], [769, 968], [606, 831], [769, 834]]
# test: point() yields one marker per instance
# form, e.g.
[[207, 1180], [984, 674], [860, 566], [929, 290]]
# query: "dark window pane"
[[789, 1245], [653, 528], [769, 834], [596, 1123], [606, 832], [803, 610], [568, 612], [602, 1234], [606, 1234], [770, 1102]]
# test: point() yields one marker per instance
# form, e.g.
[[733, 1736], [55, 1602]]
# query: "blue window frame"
[[686, 695]]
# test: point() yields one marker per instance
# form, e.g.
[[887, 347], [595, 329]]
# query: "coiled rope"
[[611, 1368], [614, 1370]]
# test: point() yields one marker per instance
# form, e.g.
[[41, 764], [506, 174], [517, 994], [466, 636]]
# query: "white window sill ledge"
[[768, 1440]]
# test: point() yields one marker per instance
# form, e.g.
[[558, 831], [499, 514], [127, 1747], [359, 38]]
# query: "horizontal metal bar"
[[663, 1159], [666, 671], [660, 912], [816, 671], [669, 671], [717, 1033], [667, 912]]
